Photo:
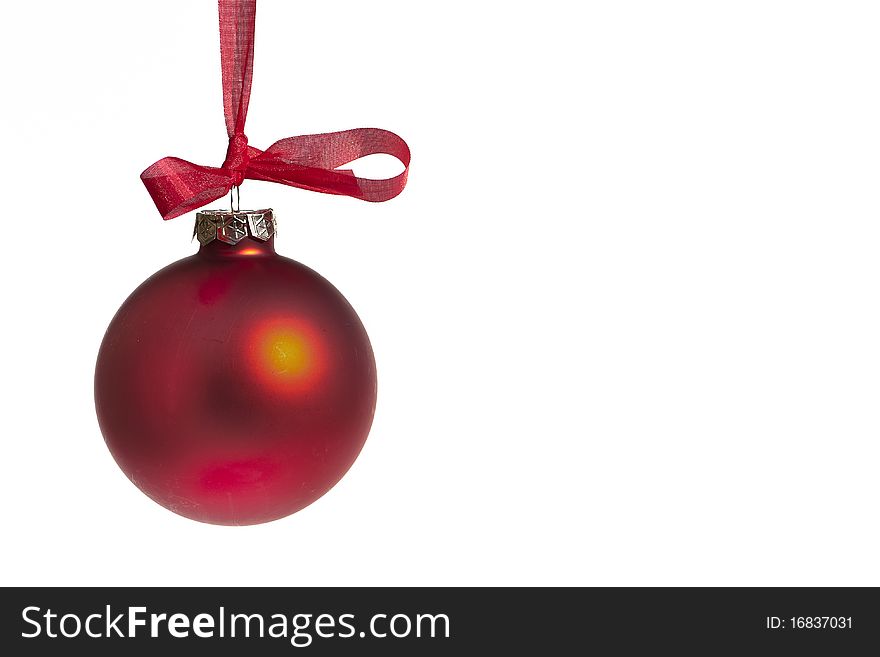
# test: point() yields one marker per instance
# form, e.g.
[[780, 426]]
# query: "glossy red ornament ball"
[[235, 386]]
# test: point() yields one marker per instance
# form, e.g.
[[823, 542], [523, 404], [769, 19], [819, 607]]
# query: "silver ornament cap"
[[232, 226]]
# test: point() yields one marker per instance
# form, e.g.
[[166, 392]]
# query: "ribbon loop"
[[237, 158], [309, 162]]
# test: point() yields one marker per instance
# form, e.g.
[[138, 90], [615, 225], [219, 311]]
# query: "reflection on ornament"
[[287, 354]]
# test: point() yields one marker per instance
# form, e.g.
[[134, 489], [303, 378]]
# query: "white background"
[[625, 313]]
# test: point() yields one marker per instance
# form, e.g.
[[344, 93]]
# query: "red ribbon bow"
[[308, 162]]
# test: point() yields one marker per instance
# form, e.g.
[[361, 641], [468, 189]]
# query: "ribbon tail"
[[312, 161], [178, 186]]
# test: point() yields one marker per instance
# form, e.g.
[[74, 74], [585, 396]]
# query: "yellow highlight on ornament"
[[287, 353]]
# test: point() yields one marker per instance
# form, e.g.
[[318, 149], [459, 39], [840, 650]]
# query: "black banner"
[[444, 621]]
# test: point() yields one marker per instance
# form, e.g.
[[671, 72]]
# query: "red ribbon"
[[308, 162]]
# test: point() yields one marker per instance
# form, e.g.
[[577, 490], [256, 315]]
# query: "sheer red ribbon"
[[309, 162]]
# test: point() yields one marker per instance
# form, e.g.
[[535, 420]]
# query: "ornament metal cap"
[[232, 226]]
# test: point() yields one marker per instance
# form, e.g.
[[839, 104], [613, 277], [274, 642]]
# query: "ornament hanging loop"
[[237, 206]]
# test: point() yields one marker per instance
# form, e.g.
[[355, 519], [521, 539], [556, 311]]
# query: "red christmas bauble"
[[235, 386]]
